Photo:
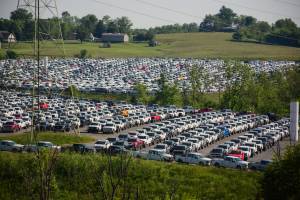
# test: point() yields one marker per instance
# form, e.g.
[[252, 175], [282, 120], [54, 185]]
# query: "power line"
[[256, 9], [134, 11], [288, 2], [169, 9]]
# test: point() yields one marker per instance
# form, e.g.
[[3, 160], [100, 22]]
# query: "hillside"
[[197, 45], [78, 176]]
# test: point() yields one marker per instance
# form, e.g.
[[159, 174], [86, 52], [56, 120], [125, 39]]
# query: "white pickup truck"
[[154, 154], [193, 158], [230, 162]]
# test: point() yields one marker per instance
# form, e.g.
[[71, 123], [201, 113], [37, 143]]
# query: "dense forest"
[[244, 28]]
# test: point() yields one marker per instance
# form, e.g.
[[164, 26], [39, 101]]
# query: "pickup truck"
[[9, 145], [102, 145], [153, 154], [260, 165], [238, 154], [11, 127], [147, 140], [230, 162], [109, 128], [193, 158], [135, 143], [40, 145]]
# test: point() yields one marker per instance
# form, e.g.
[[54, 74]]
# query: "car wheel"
[[217, 165], [238, 167]]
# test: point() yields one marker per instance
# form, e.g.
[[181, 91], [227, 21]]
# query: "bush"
[[282, 178], [83, 53], [11, 54], [106, 45]]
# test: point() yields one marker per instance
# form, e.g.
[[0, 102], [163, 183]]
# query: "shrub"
[[282, 179], [11, 54], [83, 53]]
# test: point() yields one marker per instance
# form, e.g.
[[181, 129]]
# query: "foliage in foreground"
[[78, 176], [282, 179], [56, 138]]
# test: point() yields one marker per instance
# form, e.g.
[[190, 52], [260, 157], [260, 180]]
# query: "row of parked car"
[[254, 141], [63, 114], [166, 147], [121, 74]]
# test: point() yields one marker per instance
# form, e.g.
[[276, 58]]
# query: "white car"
[[193, 158], [109, 128], [102, 145], [146, 139]]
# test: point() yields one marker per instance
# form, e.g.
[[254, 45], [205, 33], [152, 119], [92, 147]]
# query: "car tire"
[[217, 165], [238, 167]]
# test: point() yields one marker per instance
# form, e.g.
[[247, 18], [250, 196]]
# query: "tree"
[[89, 22], [196, 78], [82, 34], [226, 15], [281, 179], [72, 91], [124, 24], [142, 94], [247, 20], [100, 29], [112, 27], [21, 14], [168, 94]]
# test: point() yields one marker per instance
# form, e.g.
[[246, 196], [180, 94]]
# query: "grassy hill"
[[196, 45]]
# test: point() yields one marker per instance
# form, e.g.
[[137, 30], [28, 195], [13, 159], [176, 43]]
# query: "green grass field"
[[196, 45], [56, 138]]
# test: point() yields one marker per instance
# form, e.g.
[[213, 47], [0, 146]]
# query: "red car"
[[135, 143], [11, 127], [44, 106], [155, 117], [238, 154]]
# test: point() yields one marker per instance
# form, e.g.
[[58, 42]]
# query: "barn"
[[114, 37]]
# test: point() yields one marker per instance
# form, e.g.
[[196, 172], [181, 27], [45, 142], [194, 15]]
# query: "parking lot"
[[150, 132], [120, 75]]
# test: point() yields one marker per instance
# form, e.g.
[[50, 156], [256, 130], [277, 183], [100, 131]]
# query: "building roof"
[[4, 34]]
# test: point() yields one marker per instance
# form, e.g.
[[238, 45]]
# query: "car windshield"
[[44, 144], [142, 136], [160, 147], [244, 148], [216, 151], [132, 140], [100, 142]]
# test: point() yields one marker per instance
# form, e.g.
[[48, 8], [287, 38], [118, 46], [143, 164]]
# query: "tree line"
[[244, 28], [245, 91]]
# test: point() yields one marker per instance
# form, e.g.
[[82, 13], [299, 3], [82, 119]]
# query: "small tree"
[[72, 91], [142, 95]]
